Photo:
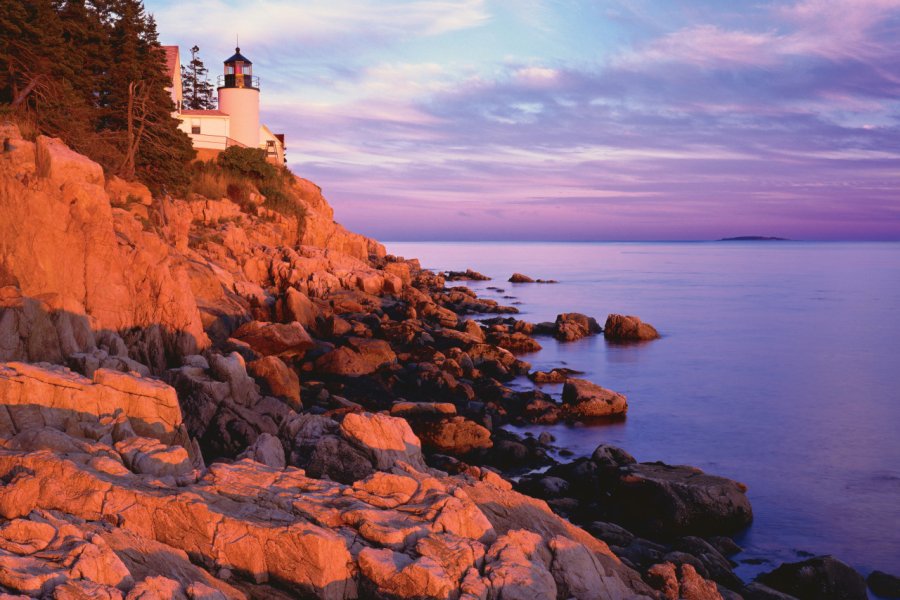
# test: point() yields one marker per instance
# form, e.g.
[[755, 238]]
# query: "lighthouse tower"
[[239, 98]]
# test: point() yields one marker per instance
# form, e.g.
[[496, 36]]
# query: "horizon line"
[[632, 241]]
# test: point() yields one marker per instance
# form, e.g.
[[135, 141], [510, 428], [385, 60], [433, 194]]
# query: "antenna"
[[237, 40]]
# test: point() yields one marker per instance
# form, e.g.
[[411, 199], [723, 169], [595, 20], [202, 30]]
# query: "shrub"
[[282, 201], [250, 162], [239, 193]]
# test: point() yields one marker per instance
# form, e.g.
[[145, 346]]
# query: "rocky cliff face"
[[72, 263], [80, 254]]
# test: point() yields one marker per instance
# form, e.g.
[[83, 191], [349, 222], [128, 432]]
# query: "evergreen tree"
[[93, 73], [198, 91]]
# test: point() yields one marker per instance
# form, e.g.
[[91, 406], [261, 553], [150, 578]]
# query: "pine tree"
[[92, 72], [198, 91]]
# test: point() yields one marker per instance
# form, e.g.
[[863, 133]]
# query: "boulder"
[[298, 307], [224, 410], [277, 379], [267, 449], [388, 441], [583, 400], [818, 578], [520, 278], [283, 339], [620, 328], [150, 457], [359, 357], [553, 376], [574, 326], [884, 584], [681, 582], [44, 395], [467, 275], [456, 436], [61, 165], [656, 499], [423, 410], [517, 343]]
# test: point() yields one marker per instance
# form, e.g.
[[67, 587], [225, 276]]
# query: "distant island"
[[754, 238]]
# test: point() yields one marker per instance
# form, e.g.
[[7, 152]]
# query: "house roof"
[[204, 113], [172, 66]]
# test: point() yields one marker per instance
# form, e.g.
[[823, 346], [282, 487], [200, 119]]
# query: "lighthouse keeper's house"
[[236, 121]]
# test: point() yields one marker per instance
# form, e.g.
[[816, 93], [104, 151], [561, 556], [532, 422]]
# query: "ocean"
[[778, 366]]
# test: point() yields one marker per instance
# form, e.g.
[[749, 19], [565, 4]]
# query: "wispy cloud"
[[431, 119], [274, 22]]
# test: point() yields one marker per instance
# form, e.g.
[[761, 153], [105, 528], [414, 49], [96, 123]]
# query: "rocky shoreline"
[[200, 399]]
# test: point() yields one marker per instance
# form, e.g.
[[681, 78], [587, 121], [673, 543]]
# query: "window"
[[270, 148], [229, 70]]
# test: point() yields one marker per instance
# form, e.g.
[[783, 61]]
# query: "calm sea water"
[[779, 366]]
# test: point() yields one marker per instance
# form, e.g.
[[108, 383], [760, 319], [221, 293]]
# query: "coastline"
[[276, 404]]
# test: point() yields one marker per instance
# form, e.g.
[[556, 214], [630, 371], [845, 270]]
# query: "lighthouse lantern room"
[[239, 98]]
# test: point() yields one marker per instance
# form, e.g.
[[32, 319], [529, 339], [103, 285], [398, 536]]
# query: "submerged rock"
[[818, 578], [884, 584]]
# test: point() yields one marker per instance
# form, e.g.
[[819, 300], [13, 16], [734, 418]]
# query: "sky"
[[577, 119]]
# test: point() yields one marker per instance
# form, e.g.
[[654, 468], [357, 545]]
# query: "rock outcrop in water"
[[622, 328]]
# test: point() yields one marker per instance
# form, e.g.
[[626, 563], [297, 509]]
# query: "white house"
[[236, 121]]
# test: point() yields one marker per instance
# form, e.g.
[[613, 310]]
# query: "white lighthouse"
[[239, 98]]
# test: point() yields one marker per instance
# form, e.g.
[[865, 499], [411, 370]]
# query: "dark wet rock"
[[665, 500], [545, 488], [683, 558], [818, 578], [728, 594], [884, 584], [267, 449], [606, 455], [621, 328], [641, 553], [758, 591], [520, 278], [558, 375], [611, 533], [544, 328], [467, 275], [716, 566], [512, 453], [654, 499], [725, 545], [546, 438]]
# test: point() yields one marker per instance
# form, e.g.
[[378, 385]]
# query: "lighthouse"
[[239, 98]]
